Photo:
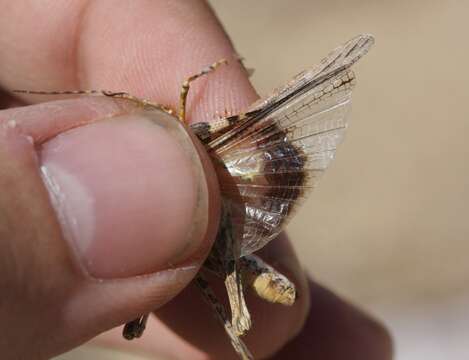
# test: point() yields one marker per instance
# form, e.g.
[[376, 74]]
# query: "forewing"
[[277, 152]]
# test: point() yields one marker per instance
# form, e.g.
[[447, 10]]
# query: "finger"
[[146, 48], [118, 194]]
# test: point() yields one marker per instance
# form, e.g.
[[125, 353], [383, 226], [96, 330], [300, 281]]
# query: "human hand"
[[110, 175]]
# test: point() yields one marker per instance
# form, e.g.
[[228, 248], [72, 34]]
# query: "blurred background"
[[388, 227]]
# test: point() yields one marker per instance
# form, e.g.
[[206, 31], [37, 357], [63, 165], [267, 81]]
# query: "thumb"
[[104, 217]]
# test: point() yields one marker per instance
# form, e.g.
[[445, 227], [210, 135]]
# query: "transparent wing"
[[277, 165], [338, 61], [278, 151]]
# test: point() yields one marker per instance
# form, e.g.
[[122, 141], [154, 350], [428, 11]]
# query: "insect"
[[267, 160]]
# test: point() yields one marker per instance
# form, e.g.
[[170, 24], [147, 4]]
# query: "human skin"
[[51, 301]]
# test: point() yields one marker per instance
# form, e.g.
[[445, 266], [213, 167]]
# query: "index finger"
[[146, 48]]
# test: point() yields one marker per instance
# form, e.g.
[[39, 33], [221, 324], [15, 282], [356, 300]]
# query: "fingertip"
[[130, 193]]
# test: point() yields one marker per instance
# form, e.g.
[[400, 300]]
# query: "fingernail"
[[129, 192]]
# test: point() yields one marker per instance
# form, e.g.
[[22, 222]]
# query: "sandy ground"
[[388, 226]]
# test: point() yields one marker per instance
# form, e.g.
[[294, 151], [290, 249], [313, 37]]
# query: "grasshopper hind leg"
[[240, 316]]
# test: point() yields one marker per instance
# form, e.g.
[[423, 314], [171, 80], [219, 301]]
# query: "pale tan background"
[[388, 227]]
